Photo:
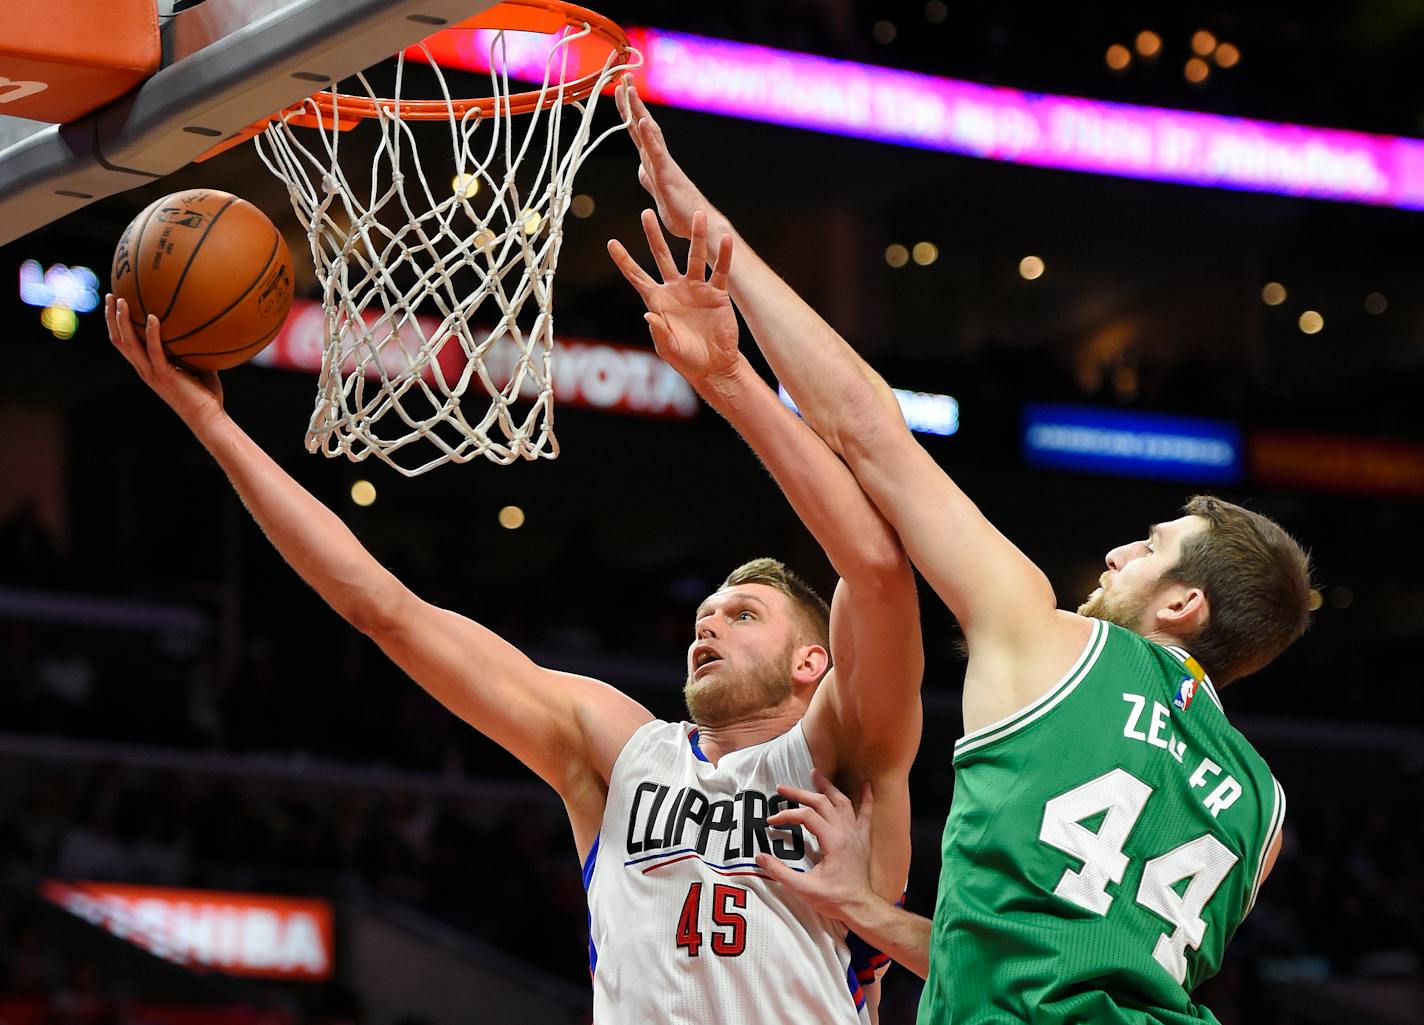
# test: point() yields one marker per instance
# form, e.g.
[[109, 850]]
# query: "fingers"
[[797, 794], [109, 318], [630, 119], [779, 872], [635, 102], [662, 255], [825, 786], [620, 97], [822, 802], [867, 801], [121, 333], [697, 250], [805, 815], [664, 341], [120, 326], [722, 269], [637, 277], [157, 358]]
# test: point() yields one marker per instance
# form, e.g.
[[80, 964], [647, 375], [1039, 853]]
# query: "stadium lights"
[[62, 292]]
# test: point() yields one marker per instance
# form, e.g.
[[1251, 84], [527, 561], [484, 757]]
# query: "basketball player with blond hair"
[[668, 817], [1109, 828]]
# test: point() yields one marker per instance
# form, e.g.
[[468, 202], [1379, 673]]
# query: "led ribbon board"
[[1132, 444], [864, 101]]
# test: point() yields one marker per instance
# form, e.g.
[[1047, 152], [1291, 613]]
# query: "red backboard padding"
[[61, 59]]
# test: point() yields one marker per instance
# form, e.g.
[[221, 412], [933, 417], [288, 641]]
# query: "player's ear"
[[809, 663], [1184, 611]]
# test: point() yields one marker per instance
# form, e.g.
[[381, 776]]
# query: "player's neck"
[[748, 731], [1165, 639]]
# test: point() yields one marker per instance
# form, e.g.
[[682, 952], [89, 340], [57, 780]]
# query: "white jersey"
[[683, 927]]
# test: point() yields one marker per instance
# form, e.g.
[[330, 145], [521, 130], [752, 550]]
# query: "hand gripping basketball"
[[193, 395]]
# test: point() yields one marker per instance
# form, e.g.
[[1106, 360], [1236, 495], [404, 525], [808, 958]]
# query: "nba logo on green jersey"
[[1102, 847]]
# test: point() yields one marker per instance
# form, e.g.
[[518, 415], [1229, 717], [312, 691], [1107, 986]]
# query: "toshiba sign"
[[236, 933], [587, 374]]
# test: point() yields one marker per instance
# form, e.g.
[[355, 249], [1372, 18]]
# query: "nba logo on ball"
[[182, 218], [1185, 693], [276, 293]]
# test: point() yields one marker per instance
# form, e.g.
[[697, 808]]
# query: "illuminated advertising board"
[[994, 123], [1338, 463], [587, 374], [247, 934], [924, 412], [1131, 444]]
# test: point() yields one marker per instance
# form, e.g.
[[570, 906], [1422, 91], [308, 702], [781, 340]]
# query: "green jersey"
[[1103, 845]]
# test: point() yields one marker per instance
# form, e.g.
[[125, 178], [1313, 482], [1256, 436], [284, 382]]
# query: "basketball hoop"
[[409, 259]]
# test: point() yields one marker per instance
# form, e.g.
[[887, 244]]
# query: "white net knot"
[[438, 291]]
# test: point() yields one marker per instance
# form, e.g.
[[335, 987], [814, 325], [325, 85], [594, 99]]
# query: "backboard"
[[226, 64]]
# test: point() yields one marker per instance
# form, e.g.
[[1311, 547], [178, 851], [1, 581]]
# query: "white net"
[[437, 267]]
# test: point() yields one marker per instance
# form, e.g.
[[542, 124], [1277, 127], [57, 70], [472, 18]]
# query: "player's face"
[[1127, 591], [741, 655]]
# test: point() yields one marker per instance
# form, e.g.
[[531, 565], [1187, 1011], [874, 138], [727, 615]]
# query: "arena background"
[[178, 710]]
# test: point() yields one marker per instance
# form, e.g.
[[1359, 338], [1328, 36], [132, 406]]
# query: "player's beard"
[[1123, 609], [734, 694]]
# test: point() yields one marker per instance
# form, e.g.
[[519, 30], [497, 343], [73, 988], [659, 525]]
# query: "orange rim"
[[346, 110]]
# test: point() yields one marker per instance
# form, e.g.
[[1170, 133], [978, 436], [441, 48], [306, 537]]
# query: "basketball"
[[214, 270]]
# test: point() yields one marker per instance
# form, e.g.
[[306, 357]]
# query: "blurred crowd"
[[1345, 897]]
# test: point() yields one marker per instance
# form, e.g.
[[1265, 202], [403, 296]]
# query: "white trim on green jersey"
[[1278, 819], [1046, 702]]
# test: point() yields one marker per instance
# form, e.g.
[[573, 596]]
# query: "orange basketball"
[[214, 270]]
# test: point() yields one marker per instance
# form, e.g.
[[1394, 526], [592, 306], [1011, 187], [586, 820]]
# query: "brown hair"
[[1256, 578], [808, 606]]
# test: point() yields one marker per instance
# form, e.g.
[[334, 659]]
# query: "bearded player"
[[667, 817], [1109, 829]]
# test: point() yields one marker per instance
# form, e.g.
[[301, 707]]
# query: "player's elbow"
[[378, 609], [880, 564], [869, 428]]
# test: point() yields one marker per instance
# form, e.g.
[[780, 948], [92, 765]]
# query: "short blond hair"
[[808, 606]]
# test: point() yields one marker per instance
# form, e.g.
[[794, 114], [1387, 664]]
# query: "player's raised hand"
[[678, 199], [840, 882], [690, 315], [191, 394]]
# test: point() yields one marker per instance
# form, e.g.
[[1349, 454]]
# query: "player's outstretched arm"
[[839, 886], [878, 658], [792, 335], [1002, 600], [567, 729]]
